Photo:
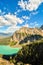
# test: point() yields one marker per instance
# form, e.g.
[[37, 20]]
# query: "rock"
[[24, 32], [5, 62]]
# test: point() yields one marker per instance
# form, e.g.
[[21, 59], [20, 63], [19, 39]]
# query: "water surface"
[[7, 50]]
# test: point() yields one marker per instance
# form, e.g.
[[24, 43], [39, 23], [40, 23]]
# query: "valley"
[[11, 46]]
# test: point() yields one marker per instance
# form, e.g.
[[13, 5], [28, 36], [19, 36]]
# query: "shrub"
[[12, 43], [31, 54]]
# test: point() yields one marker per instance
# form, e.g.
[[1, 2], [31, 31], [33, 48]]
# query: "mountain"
[[25, 32], [22, 35], [31, 38], [41, 27], [4, 35]]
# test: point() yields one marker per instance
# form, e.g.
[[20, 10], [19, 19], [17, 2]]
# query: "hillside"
[[24, 32], [30, 54], [22, 35], [33, 37], [5, 41]]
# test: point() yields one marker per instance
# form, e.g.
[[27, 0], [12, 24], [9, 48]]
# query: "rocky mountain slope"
[[24, 32]]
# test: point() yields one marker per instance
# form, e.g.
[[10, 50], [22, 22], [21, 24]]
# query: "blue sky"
[[15, 14]]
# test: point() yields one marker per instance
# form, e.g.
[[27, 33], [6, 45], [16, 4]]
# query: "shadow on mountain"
[[31, 38]]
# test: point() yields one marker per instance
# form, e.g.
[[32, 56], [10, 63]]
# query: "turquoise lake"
[[7, 50]]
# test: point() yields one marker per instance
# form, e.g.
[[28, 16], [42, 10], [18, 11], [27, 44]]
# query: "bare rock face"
[[20, 34], [5, 62], [24, 31]]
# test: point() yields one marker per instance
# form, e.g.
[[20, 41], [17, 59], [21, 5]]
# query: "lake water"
[[7, 50]]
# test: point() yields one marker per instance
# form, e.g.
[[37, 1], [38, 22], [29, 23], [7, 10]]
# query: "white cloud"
[[34, 13], [26, 25], [22, 4], [35, 24], [17, 11], [30, 4], [11, 21], [26, 17], [12, 29], [4, 22], [1, 13]]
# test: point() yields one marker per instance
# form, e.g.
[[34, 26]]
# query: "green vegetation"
[[12, 43], [1, 55], [5, 41], [31, 38], [31, 54]]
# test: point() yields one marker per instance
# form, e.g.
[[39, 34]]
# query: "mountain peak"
[[25, 31]]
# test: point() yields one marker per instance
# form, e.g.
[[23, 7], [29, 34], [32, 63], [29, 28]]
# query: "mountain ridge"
[[25, 31]]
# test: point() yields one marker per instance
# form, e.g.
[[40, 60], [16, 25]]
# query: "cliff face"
[[24, 32]]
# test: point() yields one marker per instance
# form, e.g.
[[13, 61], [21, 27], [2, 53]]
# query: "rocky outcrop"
[[24, 32], [5, 62]]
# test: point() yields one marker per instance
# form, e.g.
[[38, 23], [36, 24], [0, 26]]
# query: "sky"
[[15, 14]]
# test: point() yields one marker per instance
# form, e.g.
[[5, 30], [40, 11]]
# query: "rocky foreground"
[[5, 62]]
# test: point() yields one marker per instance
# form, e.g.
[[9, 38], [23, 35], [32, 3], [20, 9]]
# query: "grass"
[[5, 41]]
